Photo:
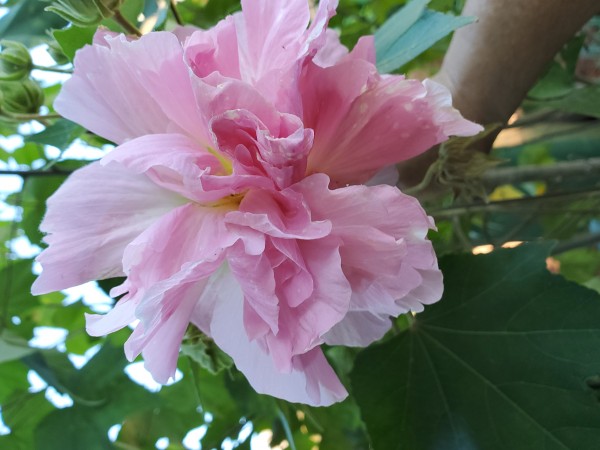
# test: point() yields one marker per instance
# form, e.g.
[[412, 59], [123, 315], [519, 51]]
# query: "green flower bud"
[[21, 97], [15, 61], [85, 13]]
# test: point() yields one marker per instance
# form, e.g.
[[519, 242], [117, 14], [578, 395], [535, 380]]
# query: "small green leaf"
[[12, 347], [28, 153], [60, 134], [500, 362], [36, 191], [15, 285], [410, 32], [205, 352], [73, 38]]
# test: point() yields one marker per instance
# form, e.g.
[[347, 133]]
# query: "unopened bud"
[[85, 13], [15, 61], [21, 97]]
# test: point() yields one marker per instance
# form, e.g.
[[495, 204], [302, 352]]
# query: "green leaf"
[[12, 347], [60, 134], [399, 23], [103, 396], [559, 80], [22, 412], [15, 285], [28, 153], [584, 101], [500, 362], [410, 32], [73, 38], [14, 378], [580, 265], [27, 22], [68, 429], [205, 352], [36, 191]]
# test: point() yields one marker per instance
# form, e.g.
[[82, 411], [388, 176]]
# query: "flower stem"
[[52, 69], [126, 24], [176, 14]]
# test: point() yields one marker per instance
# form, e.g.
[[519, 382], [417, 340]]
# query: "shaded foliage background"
[[475, 371]]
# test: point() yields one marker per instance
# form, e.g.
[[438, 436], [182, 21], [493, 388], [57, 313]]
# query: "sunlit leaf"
[[410, 32]]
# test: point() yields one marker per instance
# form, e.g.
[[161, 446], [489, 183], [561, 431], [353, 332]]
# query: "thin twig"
[[27, 117], [126, 24], [445, 213], [36, 173], [566, 169], [176, 14], [577, 242], [52, 69]]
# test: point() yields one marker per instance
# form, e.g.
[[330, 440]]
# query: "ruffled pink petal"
[[92, 217], [445, 115], [161, 351], [297, 286], [183, 33], [364, 122], [179, 241], [311, 379], [315, 36], [359, 329], [167, 268], [282, 156], [385, 253], [122, 314], [125, 89], [303, 322], [277, 214], [332, 51], [270, 35], [214, 50]]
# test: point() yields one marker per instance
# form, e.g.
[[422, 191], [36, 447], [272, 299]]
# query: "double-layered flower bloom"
[[234, 199]]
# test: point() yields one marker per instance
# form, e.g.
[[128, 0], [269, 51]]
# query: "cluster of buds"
[[85, 13], [19, 94], [15, 61], [20, 97]]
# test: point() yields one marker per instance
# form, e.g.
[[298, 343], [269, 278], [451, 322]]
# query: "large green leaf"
[[504, 361], [411, 31]]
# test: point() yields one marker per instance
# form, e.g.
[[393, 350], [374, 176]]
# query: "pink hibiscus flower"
[[233, 200]]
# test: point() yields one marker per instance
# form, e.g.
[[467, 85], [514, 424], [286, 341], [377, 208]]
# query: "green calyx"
[[15, 61], [20, 97], [85, 13]]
